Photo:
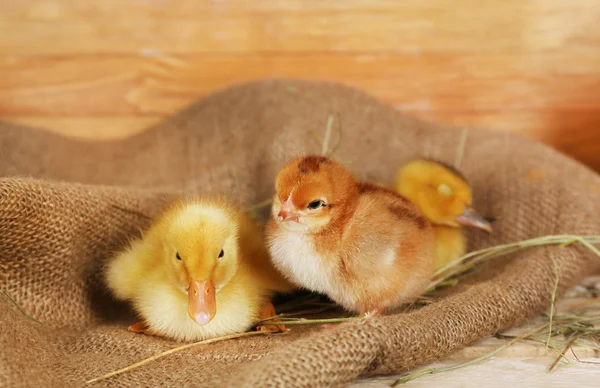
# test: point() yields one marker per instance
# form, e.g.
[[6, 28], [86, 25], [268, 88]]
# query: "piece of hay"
[[431, 371], [574, 326], [453, 272], [442, 278], [20, 309], [178, 349]]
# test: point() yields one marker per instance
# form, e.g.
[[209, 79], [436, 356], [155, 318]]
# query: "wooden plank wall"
[[109, 68]]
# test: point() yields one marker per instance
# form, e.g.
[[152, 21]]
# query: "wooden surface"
[[107, 69], [502, 372], [524, 364]]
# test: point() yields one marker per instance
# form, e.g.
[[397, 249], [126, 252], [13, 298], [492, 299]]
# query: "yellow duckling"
[[201, 271], [445, 197]]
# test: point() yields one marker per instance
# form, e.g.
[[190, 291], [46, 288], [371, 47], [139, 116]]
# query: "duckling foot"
[[142, 328], [268, 311]]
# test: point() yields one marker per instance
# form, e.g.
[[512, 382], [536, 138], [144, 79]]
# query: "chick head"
[[200, 250], [311, 192], [441, 192]]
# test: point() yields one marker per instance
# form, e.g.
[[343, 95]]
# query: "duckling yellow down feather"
[[445, 197], [200, 271]]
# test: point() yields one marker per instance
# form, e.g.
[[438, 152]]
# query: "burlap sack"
[[77, 202]]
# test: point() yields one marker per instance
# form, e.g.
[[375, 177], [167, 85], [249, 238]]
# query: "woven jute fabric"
[[66, 205]]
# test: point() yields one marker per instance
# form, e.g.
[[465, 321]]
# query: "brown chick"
[[445, 197], [364, 246], [200, 271]]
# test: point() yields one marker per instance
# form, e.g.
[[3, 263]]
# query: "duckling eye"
[[221, 254], [444, 189], [316, 204], [177, 256]]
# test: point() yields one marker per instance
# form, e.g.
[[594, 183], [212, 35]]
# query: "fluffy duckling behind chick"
[[445, 197], [201, 271]]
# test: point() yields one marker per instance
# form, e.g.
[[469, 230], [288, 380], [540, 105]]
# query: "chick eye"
[[221, 254], [316, 204], [177, 256]]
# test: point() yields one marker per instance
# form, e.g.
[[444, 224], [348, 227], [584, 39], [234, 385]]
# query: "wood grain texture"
[[108, 69]]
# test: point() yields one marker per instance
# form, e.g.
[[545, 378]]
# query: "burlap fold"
[[66, 205]]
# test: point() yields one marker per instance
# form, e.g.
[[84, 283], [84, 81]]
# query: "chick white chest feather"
[[294, 255]]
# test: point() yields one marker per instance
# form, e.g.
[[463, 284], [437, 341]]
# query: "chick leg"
[[268, 311], [142, 328]]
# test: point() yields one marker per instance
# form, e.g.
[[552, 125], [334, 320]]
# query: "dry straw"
[[325, 150], [178, 349], [20, 309], [576, 326], [579, 328], [452, 273]]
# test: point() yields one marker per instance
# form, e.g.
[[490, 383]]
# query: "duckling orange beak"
[[202, 302], [286, 213], [470, 218]]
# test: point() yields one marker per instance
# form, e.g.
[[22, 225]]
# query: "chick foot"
[[142, 328], [268, 311], [374, 312]]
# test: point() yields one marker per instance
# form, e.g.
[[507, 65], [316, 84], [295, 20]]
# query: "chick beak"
[[470, 218], [286, 213], [202, 303], [285, 216]]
